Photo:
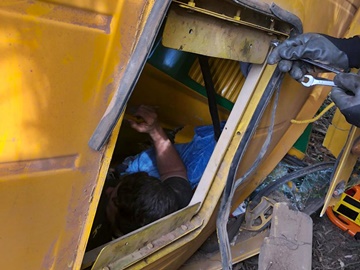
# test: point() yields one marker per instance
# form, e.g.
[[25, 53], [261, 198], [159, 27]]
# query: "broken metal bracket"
[[342, 171], [259, 217], [235, 19]]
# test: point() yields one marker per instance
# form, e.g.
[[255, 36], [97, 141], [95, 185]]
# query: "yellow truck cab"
[[71, 69]]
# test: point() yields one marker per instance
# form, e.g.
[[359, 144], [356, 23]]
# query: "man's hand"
[[150, 123], [316, 47], [346, 95], [168, 160]]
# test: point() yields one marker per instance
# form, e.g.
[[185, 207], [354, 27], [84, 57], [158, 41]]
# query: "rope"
[[308, 121]]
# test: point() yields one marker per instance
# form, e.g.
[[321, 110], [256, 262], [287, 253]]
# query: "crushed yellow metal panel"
[[134, 246], [301, 104], [61, 62], [211, 198]]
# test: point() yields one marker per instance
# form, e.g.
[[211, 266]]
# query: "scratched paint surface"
[[60, 62]]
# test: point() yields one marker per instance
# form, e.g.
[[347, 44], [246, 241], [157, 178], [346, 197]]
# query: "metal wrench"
[[309, 81]]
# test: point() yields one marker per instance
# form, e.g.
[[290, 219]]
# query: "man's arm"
[[168, 160]]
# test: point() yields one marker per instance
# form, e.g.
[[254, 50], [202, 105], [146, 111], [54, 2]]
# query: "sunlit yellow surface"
[[60, 65]]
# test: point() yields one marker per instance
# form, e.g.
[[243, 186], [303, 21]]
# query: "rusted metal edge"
[[156, 245], [125, 246], [229, 19]]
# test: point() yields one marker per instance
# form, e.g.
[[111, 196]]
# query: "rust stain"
[[48, 261], [246, 49], [38, 165]]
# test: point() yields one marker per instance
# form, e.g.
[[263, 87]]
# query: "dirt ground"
[[332, 247]]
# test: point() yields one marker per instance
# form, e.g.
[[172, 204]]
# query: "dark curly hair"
[[142, 199]]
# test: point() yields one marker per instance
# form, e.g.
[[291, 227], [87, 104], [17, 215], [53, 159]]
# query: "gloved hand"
[[346, 95], [312, 46]]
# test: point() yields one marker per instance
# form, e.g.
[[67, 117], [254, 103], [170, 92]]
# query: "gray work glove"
[[346, 95], [312, 46]]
